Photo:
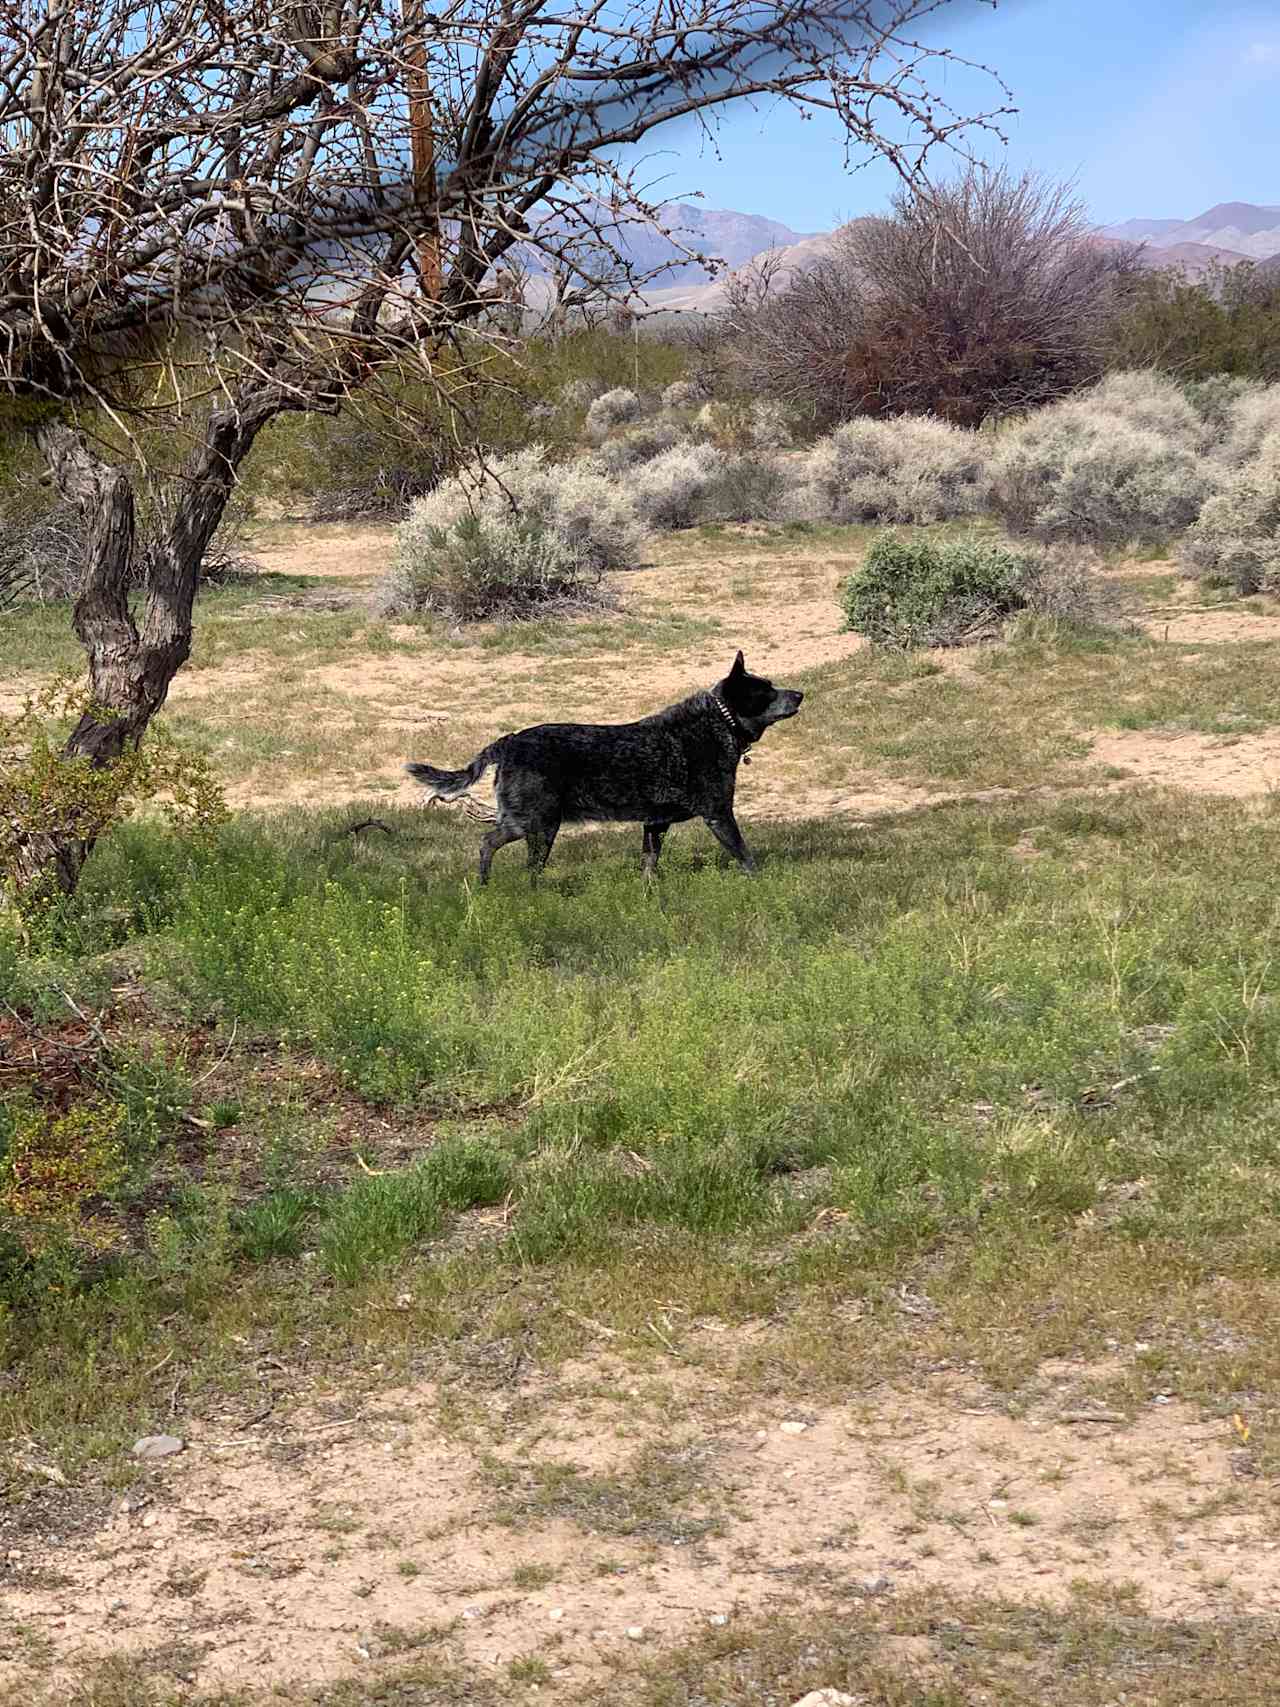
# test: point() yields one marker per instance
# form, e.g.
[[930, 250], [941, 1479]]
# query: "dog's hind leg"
[[724, 827], [541, 838], [653, 834], [504, 831]]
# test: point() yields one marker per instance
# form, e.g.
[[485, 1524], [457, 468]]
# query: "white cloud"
[[1261, 54]]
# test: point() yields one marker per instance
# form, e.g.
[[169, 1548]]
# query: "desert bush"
[[1225, 322], [1152, 402], [1216, 399], [920, 592], [987, 297], [672, 489], [750, 488], [1253, 418], [1076, 472], [613, 409], [559, 524], [917, 592], [1062, 582], [683, 394], [580, 393], [1237, 536], [639, 444], [911, 469], [497, 567]]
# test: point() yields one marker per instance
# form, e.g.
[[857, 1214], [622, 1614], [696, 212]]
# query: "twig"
[[590, 1322], [235, 1023], [1092, 1417], [658, 1334]]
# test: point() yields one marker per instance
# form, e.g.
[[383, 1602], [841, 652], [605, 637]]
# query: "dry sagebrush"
[[548, 517], [613, 409], [1082, 473], [1237, 535], [912, 469]]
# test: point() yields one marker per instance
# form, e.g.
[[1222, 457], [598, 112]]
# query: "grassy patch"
[[1020, 715], [662, 1496], [1042, 1091], [934, 1648]]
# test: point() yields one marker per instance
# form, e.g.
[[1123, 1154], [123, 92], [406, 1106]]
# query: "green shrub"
[[46, 798], [51, 1167], [918, 592]]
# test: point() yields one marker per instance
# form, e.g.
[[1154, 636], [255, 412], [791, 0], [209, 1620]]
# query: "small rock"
[[149, 1520], [793, 1427], [997, 1505], [830, 1698], [635, 1632], [1164, 1398], [718, 1618], [556, 1612], [876, 1585], [1141, 1345], [158, 1446]]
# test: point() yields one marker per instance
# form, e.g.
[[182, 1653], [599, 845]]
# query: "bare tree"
[[986, 296], [214, 213]]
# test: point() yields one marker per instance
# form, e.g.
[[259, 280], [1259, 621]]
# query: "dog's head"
[[754, 700]]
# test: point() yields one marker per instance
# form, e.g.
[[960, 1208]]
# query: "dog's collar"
[[739, 733]]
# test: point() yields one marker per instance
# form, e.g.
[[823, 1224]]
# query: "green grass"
[[902, 1026], [1021, 715]]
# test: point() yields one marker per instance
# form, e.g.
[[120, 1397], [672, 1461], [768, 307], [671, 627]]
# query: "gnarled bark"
[[132, 660]]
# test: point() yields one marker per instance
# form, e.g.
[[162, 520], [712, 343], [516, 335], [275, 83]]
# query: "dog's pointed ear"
[[739, 668]]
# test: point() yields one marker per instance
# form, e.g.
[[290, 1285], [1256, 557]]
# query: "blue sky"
[[1156, 108]]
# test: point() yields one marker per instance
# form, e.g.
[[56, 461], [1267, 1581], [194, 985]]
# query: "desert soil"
[[336, 1540]]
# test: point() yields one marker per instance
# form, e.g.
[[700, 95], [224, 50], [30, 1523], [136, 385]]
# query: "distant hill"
[[1238, 230], [1221, 236], [720, 234]]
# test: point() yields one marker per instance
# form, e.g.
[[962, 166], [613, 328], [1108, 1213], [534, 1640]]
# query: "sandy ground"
[[332, 1542]]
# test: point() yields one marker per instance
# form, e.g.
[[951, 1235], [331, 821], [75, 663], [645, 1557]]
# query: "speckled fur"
[[680, 763]]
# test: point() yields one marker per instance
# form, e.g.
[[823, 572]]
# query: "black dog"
[[680, 763]]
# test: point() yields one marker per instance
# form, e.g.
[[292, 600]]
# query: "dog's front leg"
[[724, 827]]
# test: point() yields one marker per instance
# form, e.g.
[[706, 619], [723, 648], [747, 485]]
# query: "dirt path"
[[333, 1544]]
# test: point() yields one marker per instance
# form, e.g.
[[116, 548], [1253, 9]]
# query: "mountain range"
[[1223, 235], [1241, 230]]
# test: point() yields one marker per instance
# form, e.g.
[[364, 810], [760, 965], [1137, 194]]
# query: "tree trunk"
[[132, 662]]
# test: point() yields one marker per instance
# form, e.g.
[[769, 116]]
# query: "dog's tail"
[[448, 785]]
